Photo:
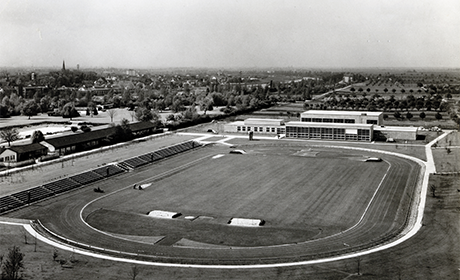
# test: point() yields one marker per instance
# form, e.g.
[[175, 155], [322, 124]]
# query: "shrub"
[[85, 128]]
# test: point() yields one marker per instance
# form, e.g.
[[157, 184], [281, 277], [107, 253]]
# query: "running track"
[[365, 237]]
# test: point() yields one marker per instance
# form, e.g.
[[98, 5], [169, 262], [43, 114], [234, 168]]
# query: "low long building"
[[332, 131], [395, 132], [334, 125], [22, 152], [84, 141], [263, 126], [358, 117]]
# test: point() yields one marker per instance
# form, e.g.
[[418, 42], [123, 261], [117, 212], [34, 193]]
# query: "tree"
[[69, 111], [37, 136], [144, 115], [422, 115], [438, 116], [30, 109], [45, 104], [122, 132], [13, 263], [409, 115], [433, 190], [170, 118], [134, 272], [9, 135], [112, 113]]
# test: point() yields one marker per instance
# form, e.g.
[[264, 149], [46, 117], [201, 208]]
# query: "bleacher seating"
[[36, 194], [86, 177], [108, 170], [135, 162], [8, 203], [124, 166], [147, 157], [158, 155], [164, 153], [62, 185]]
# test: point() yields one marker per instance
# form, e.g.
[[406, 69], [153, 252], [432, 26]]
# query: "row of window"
[[327, 133], [329, 120], [260, 129], [7, 158]]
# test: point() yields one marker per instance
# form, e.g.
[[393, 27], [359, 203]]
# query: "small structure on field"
[[163, 214], [244, 222], [375, 159], [238, 152]]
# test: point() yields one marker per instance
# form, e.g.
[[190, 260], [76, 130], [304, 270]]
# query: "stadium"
[[197, 203]]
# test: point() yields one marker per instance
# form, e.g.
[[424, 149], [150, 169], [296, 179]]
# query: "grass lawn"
[[447, 153], [295, 190]]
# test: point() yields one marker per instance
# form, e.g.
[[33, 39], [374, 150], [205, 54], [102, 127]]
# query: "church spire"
[[63, 65]]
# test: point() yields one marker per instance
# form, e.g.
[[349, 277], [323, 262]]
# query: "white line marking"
[[217, 156]]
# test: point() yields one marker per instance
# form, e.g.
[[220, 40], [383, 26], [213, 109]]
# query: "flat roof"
[[396, 128], [334, 125], [350, 113], [235, 123], [263, 121]]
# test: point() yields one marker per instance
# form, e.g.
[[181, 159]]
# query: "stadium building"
[[318, 116], [263, 126], [333, 125]]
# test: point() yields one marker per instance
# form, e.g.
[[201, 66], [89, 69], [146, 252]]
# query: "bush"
[[85, 128]]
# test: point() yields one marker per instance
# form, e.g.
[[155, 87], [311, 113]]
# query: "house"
[[22, 152]]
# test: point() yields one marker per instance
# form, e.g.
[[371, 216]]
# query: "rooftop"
[[333, 125], [341, 113]]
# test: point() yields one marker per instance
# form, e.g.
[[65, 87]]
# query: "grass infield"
[[301, 193]]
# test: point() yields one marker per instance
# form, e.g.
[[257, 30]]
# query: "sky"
[[230, 33]]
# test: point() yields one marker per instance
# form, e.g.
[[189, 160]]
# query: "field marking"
[[218, 156], [414, 225], [128, 187]]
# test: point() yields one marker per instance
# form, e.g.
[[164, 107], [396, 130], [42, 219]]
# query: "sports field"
[[313, 201], [300, 193]]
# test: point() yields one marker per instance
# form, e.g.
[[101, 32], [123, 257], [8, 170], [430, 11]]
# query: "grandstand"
[[62, 185], [32, 195], [25, 197], [86, 177], [8, 203]]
